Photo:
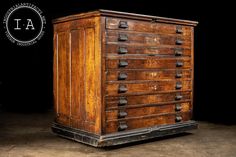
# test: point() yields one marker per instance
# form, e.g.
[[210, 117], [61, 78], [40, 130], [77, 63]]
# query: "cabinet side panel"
[[77, 74]]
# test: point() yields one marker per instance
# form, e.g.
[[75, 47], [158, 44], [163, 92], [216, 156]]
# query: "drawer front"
[[147, 87], [133, 25], [123, 112], [133, 101], [145, 121], [114, 49], [142, 75], [150, 63], [117, 37]]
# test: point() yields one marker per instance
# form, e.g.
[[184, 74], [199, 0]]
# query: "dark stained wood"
[[150, 63], [134, 101], [103, 74], [144, 39], [144, 111], [137, 26], [145, 121], [142, 75], [118, 72], [125, 15], [113, 49], [119, 138], [158, 19], [192, 60], [146, 87]]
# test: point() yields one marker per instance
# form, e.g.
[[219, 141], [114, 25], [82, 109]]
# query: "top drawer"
[[141, 26]]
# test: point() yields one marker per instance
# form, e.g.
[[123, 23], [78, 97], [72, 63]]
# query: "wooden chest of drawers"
[[122, 77]]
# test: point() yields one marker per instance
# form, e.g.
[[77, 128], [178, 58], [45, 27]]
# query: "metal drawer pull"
[[178, 97], [122, 76], [179, 64], [122, 50], [178, 85], [178, 75], [122, 101], [123, 63], [178, 118], [123, 24], [123, 37], [179, 30], [179, 42], [178, 107], [122, 114], [178, 52], [122, 89], [122, 126]]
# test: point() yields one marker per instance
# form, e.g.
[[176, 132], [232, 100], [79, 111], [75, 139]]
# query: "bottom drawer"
[[118, 125]]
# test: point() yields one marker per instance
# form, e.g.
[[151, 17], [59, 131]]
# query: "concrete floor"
[[29, 135]]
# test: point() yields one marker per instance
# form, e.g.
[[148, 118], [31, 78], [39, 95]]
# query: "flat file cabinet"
[[122, 77]]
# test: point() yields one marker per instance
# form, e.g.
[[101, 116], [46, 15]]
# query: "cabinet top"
[[110, 13]]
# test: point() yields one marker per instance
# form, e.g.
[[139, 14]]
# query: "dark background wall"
[[26, 72]]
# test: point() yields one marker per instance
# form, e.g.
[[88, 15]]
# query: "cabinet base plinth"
[[124, 136]]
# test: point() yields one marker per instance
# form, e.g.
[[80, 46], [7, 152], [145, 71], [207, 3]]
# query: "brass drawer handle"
[[178, 85], [178, 74], [179, 29], [123, 37], [178, 97], [179, 42], [178, 118], [179, 64], [122, 101], [122, 89], [178, 107], [123, 63], [122, 50], [122, 76], [122, 114], [122, 126], [123, 24]]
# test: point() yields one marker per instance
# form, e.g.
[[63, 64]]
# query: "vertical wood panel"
[[103, 75], [63, 76], [75, 74], [97, 65], [55, 74], [78, 78], [82, 70], [192, 63], [90, 77]]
